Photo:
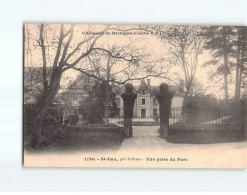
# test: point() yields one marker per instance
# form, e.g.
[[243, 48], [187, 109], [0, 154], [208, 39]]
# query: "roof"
[[153, 89], [34, 75]]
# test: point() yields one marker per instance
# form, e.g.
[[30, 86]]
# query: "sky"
[[148, 44]]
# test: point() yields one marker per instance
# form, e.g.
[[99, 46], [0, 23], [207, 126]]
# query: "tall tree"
[[184, 44], [241, 57], [64, 59], [219, 40], [61, 50]]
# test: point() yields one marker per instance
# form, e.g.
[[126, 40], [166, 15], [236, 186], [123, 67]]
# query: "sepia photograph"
[[134, 96]]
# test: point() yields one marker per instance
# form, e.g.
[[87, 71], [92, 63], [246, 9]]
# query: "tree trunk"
[[107, 105], [226, 87], [237, 84], [241, 66], [225, 65], [37, 127], [237, 74], [107, 100], [240, 82], [42, 106]]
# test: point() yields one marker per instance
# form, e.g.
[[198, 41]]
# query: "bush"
[[202, 102], [53, 117]]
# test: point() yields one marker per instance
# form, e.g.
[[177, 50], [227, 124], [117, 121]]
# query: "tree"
[[185, 44], [219, 40], [62, 51], [119, 64], [241, 58], [66, 56]]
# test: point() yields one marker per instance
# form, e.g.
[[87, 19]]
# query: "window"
[[143, 101], [155, 112], [143, 92]]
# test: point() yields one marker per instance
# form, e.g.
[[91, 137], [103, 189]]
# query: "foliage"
[[63, 47], [203, 102], [53, 117], [185, 45], [222, 42], [94, 104]]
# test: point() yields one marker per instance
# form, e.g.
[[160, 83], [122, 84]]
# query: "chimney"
[[148, 82]]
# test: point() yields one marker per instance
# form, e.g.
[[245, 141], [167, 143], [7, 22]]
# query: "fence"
[[192, 118], [180, 118], [87, 116]]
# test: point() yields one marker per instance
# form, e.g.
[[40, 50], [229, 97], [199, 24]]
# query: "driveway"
[[146, 143]]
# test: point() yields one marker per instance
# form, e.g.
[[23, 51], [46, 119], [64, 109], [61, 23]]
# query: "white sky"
[[147, 43]]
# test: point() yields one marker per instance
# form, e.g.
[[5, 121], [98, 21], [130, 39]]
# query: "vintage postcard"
[[134, 96]]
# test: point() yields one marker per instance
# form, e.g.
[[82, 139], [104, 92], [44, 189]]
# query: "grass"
[[205, 134], [205, 137], [193, 130], [88, 138]]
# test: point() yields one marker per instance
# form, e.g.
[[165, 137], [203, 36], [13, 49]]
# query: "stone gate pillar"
[[128, 100], [164, 98]]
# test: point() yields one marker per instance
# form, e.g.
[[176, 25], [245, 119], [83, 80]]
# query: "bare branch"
[[71, 31], [42, 45], [60, 42]]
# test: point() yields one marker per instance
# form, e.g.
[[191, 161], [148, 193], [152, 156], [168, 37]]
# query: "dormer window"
[[143, 92]]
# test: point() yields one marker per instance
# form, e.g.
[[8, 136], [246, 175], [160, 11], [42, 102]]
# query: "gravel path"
[[147, 143]]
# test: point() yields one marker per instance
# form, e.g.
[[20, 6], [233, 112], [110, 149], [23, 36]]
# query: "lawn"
[[187, 131], [204, 137], [72, 138]]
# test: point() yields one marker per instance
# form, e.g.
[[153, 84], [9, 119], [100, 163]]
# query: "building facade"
[[146, 104]]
